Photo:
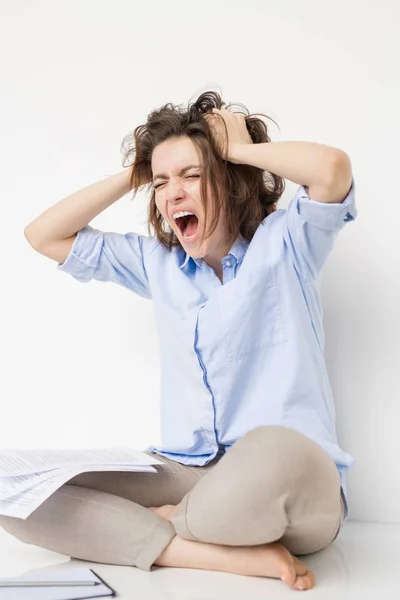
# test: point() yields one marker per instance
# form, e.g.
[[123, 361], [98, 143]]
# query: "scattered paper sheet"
[[29, 477], [24, 462]]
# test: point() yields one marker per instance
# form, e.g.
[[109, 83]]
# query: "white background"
[[79, 362]]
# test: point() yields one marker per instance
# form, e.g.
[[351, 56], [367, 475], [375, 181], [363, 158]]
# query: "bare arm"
[[74, 212], [325, 170], [53, 232]]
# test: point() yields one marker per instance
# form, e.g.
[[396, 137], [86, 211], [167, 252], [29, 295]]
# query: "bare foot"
[[277, 562], [166, 512], [266, 560]]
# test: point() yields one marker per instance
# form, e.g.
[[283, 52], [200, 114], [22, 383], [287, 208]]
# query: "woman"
[[252, 473]]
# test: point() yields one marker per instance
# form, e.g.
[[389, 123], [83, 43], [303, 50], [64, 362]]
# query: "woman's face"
[[177, 188]]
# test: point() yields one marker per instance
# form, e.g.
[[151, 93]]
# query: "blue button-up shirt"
[[240, 354]]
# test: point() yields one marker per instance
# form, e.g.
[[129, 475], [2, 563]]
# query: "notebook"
[[102, 590]]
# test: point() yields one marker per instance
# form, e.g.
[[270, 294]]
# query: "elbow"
[[340, 167], [30, 236]]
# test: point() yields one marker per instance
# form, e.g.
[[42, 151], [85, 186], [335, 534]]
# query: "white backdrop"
[[79, 362]]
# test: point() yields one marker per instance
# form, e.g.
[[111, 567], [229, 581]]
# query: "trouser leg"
[[273, 484], [94, 526], [102, 516]]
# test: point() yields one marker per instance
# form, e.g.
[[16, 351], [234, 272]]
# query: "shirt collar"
[[237, 252]]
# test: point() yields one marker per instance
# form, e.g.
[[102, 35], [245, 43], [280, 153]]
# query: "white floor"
[[363, 562]]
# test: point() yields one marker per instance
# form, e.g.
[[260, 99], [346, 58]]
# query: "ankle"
[[167, 511], [189, 554]]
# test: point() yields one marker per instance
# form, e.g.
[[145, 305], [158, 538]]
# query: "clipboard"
[[104, 590]]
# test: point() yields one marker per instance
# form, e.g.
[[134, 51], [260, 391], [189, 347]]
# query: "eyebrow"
[[181, 172]]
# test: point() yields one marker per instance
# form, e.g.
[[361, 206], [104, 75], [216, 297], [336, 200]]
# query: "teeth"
[[182, 213]]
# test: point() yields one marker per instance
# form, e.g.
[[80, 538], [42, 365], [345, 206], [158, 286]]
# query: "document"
[[56, 592], [29, 477]]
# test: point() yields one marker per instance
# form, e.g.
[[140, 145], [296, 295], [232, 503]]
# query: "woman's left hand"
[[236, 129]]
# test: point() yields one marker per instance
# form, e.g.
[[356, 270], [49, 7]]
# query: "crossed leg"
[[273, 495]]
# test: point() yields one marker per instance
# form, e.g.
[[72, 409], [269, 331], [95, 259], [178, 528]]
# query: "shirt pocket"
[[250, 314]]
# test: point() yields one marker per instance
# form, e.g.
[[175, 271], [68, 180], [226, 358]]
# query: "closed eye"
[[188, 177]]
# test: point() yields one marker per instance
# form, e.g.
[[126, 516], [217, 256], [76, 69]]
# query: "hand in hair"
[[236, 131]]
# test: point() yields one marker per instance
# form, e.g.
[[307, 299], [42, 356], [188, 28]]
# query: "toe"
[[301, 568], [311, 578], [305, 582], [289, 574]]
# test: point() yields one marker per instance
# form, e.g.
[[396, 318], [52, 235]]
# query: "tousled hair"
[[244, 194]]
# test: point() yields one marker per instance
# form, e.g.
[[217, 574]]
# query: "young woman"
[[252, 472]]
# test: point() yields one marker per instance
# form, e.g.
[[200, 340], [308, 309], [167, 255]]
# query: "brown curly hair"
[[245, 194]]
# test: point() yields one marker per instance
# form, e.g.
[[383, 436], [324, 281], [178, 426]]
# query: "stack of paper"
[[29, 477]]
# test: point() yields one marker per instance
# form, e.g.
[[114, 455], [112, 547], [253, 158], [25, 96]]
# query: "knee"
[[15, 527], [282, 454], [273, 444], [272, 435]]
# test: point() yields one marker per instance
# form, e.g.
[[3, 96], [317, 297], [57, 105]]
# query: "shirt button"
[[228, 263]]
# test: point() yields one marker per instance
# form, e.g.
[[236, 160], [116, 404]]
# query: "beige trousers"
[[273, 484]]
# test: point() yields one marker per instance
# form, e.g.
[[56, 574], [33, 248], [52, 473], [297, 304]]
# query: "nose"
[[174, 191]]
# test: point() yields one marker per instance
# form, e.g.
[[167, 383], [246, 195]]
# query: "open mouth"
[[188, 226]]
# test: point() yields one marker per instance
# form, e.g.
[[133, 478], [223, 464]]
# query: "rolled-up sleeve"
[[109, 256], [311, 227]]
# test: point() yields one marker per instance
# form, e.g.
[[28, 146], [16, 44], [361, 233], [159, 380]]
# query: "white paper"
[[55, 593], [23, 504], [9, 486], [27, 485], [24, 462], [22, 483]]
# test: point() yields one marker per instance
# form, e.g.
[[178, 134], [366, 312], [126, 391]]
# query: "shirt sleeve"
[[311, 227], [109, 256]]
